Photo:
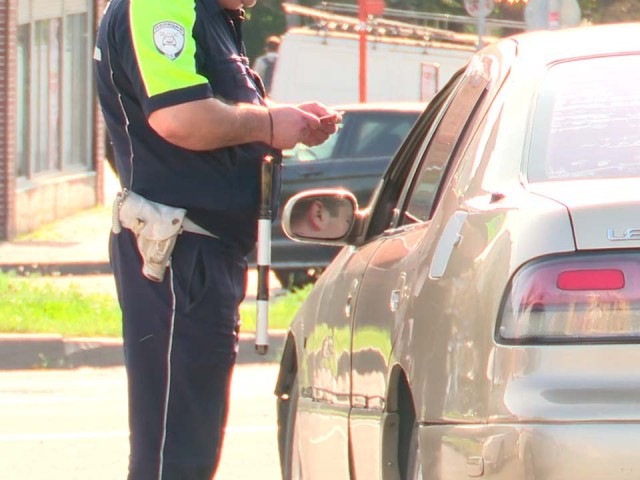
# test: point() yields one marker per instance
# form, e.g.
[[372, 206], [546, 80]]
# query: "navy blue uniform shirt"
[[152, 54]]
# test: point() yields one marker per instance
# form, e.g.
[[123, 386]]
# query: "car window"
[[586, 122], [386, 198], [378, 135], [442, 145], [303, 153], [365, 134]]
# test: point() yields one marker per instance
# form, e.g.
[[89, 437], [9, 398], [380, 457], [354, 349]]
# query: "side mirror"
[[320, 216]]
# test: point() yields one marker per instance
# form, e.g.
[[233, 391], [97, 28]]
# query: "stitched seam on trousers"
[[168, 386]]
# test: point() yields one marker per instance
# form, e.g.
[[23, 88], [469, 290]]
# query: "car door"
[[324, 373], [325, 367], [400, 265]]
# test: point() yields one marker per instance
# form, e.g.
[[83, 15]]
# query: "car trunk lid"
[[605, 213]]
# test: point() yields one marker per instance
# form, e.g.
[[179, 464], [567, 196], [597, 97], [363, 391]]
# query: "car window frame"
[[382, 213], [441, 152], [386, 205]]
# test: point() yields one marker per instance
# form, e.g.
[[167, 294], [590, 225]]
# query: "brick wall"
[[8, 22], [25, 210]]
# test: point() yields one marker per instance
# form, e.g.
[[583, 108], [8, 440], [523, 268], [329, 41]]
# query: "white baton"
[[264, 257]]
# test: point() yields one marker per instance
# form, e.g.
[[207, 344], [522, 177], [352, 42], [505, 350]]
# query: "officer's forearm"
[[209, 124]]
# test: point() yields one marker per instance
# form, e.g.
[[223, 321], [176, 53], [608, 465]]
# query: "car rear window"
[[379, 134], [369, 134], [587, 121]]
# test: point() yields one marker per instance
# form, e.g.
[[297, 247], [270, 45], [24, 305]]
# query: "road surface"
[[72, 425]]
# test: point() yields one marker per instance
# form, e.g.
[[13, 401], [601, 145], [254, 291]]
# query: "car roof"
[[382, 106], [584, 41]]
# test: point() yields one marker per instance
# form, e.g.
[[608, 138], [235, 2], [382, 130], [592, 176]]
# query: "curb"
[[48, 268], [41, 351]]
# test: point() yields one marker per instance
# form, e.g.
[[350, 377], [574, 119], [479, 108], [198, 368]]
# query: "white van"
[[324, 65]]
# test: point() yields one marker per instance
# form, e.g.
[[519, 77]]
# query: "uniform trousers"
[[180, 345]]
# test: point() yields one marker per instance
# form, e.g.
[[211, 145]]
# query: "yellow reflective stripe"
[[161, 32]]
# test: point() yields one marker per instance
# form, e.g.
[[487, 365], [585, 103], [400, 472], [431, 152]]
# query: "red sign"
[[429, 81]]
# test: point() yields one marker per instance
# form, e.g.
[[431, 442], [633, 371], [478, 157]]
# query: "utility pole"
[[480, 9], [362, 30], [366, 8]]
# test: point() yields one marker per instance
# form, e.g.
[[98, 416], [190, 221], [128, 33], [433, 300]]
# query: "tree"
[[610, 11], [266, 18]]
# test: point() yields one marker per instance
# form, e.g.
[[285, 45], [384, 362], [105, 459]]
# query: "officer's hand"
[[291, 125], [329, 120], [321, 111]]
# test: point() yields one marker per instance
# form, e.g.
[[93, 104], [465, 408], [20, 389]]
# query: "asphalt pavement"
[[71, 424], [76, 247]]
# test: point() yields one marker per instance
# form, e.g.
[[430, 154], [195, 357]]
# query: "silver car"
[[483, 317]]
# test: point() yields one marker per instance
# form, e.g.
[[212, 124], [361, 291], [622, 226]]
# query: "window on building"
[[22, 162], [45, 97], [76, 73], [54, 114]]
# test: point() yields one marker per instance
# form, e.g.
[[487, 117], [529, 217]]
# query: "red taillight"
[[600, 279], [578, 297]]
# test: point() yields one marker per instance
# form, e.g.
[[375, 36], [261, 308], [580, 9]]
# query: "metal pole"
[[482, 13], [362, 74], [264, 257]]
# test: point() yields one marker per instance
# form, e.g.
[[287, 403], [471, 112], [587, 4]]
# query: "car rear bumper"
[[588, 451]]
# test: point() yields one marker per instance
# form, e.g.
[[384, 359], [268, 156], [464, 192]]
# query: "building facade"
[[51, 129]]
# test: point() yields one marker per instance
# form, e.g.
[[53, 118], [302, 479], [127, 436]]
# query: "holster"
[[156, 227]]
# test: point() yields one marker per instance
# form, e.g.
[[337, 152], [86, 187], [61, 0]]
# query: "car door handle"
[[397, 293], [394, 301], [348, 307]]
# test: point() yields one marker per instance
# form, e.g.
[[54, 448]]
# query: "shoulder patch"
[[169, 39]]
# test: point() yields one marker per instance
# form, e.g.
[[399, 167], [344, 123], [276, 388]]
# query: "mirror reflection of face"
[[322, 217]]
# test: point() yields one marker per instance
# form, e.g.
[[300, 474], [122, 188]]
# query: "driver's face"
[[336, 227]]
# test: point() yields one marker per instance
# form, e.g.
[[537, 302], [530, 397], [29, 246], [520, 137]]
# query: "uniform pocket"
[[197, 280], [217, 282]]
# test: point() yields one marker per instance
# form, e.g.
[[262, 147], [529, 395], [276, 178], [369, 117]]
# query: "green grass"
[[33, 305], [28, 305], [281, 311]]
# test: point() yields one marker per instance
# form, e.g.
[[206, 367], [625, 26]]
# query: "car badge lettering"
[[628, 234], [169, 39]]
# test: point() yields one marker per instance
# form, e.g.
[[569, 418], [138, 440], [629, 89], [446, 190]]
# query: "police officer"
[[189, 125]]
